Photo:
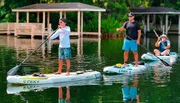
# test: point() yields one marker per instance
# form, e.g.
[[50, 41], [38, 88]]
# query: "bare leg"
[[125, 57], [136, 58], [60, 66], [165, 52], [68, 94], [68, 64], [157, 52], [60, 92]]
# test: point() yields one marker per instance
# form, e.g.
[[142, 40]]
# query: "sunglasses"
[[130, 16]]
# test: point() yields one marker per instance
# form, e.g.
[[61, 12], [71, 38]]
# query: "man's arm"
[[55, 35], [139, 36], [120, 29], [157, 42]]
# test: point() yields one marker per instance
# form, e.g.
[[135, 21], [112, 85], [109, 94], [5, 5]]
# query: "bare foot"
[[67, 73], [57, 72], [124, 65]]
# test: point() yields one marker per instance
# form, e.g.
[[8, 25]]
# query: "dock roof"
[[155, 10], [56, 7]]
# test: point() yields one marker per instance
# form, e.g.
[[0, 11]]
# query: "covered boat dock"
[[44, 28], [150, 14]]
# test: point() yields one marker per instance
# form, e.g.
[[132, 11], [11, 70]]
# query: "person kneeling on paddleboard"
[[163, 45]]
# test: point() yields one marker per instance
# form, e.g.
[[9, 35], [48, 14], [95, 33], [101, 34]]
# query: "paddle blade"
[[13, 70]]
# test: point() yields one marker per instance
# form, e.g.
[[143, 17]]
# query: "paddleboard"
[[53, 78], [119, 69], [150, 57]]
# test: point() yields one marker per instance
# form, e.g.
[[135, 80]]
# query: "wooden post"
[[17, 17], [166, 24], [48, 21], [38, 17], [99, 48], [65, 15], [60, 14], [44, 17], [27, 17], [81, 24], [148, 29], [99, 23], [78, 26], [17, 21], [8, 29]]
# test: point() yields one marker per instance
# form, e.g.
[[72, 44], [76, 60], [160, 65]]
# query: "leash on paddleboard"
[[14, 69], [165, 63]]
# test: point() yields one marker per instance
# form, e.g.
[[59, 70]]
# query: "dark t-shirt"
[[131, 30]]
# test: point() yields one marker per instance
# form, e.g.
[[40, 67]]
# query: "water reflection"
[[23, 45], [15, 89], [129, 85], [79, 42], [60, 95], [130, 92]]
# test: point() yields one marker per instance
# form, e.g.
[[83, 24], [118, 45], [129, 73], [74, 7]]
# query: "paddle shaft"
[[156, 33], [37, 48], [14, 69], [165, 63], [33, 51]]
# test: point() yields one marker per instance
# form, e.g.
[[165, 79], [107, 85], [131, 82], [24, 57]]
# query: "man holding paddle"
[[64, 45], [163, 45], [132, 38]]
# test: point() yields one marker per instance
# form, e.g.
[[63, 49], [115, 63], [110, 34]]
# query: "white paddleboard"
[[53, 78], [170, 58], [129, 69]]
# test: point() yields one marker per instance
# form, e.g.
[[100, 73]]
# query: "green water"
[[153, 86]]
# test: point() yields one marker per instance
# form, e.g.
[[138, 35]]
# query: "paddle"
[[156, 33], [165, 63], [158, 36], [14, 69]]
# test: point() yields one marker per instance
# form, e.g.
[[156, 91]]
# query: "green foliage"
[[91, 25], [109, 25]]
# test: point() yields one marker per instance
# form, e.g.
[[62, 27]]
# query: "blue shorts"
[[64, 53], [129, 92], [130, 45]]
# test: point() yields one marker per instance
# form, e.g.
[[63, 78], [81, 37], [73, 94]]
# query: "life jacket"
[[162, 45]]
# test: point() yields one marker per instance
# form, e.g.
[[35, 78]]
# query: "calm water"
[[154, 86]]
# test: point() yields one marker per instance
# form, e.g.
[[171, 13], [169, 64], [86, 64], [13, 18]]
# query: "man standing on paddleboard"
[[132, 38], [63, 33]]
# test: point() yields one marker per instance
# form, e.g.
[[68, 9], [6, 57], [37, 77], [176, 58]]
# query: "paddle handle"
[[156, 33], [37, 48]]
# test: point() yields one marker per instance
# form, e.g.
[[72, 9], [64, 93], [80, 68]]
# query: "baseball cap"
[[131, 14], [63, 19]]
